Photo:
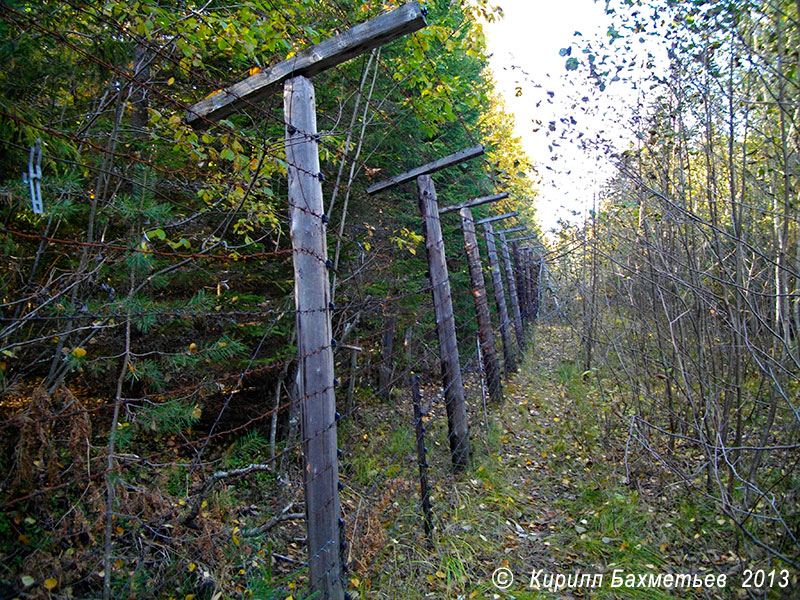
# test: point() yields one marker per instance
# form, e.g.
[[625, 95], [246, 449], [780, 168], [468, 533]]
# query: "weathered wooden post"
[[313, 325], [485, 332], [386, 371], [516, 268], [458, 430], [522, 283], [524, 270], [445, 324], [528, 276], [532, 276], [312, 294], [509, 363], [511, 281], [537, 264], [422, 460]]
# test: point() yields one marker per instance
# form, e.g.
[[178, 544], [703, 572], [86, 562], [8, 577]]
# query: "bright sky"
[[525, 48]]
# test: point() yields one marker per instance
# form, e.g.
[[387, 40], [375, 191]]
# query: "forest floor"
[[548, 493]]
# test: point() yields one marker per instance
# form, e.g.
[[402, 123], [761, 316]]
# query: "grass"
[[546, 491]]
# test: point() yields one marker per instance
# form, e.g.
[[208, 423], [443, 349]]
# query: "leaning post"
[[511, 280], [458, 430], [537, 264], [524, 306], [422, 459], [522, 258], [445, 323], [486, 336], [499, 295]]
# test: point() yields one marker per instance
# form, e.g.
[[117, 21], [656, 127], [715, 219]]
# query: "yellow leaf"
[[214, 93], [254, 71], [192, 567], [196, 412], [170, 81], [193, 348], [440, 575], [119, 530], [50, 583], [189, 597]]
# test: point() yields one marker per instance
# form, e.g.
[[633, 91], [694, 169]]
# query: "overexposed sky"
[[536, 86]]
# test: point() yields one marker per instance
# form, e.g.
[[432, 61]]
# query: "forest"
[[253, 352]]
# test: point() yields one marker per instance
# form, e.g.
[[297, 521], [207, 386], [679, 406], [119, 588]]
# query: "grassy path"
[[548, 493]]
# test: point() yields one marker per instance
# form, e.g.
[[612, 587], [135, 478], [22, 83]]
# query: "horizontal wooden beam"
[[431, 167], [497, 218], [522, 239], [335, 50], [471, 203], [512, 230]]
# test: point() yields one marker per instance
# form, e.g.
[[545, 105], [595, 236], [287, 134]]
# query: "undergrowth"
[[549, 491]]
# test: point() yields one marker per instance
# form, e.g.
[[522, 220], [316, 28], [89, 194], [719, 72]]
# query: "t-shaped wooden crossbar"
[[512, 230], [329, 53], [514, 213], [431, 167], [471, 203]]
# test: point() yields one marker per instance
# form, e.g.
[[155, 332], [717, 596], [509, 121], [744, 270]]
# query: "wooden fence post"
[[536, 271], [458, 431], [422, 460], [511, 280], [531, 279], [315, 374], [500, 300], [524, 306], [445, 324], [526, 273], [387, 352], [312, 293], [522, 260], [486, 336]]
